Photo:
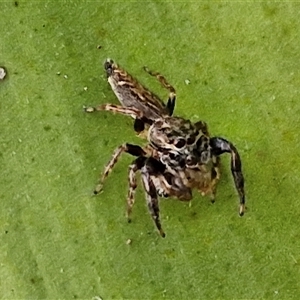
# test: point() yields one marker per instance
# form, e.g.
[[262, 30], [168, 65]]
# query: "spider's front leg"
[[127, 148], [220, 146]]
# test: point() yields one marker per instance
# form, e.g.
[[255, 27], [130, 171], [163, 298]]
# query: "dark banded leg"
[[220, 146], [128, 148], [151, 198], [215, 176], [170, 88], [133, 168], [132, 187]]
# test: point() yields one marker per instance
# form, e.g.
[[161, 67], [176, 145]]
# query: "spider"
[[180, 155]]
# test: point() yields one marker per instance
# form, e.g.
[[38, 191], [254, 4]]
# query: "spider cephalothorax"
[[180, 155]]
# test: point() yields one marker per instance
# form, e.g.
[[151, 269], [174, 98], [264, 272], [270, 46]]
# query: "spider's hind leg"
[[172, 93]]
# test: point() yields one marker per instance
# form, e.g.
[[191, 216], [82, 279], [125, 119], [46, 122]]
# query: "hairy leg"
[[133, 168], [134, 113], [168, 86], [128, 148], [151, 198], [215, 176]]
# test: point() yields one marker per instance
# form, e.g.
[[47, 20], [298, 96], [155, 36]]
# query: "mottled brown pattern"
[[180, 155]]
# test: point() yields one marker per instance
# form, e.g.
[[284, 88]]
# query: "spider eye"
[[180, 143], [191, 140]]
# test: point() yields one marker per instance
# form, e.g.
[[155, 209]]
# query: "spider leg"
[[134, 113], [220, 146], [128, 148], [151, 198], [133, 168], [168, 86], [215, 176], [148, 166], [171, 103]]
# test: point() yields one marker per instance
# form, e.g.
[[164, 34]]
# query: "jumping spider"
[[180, 155]]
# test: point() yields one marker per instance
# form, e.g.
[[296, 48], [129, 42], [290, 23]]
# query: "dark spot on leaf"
[[269, 10], [47, 127], [193, 214]]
